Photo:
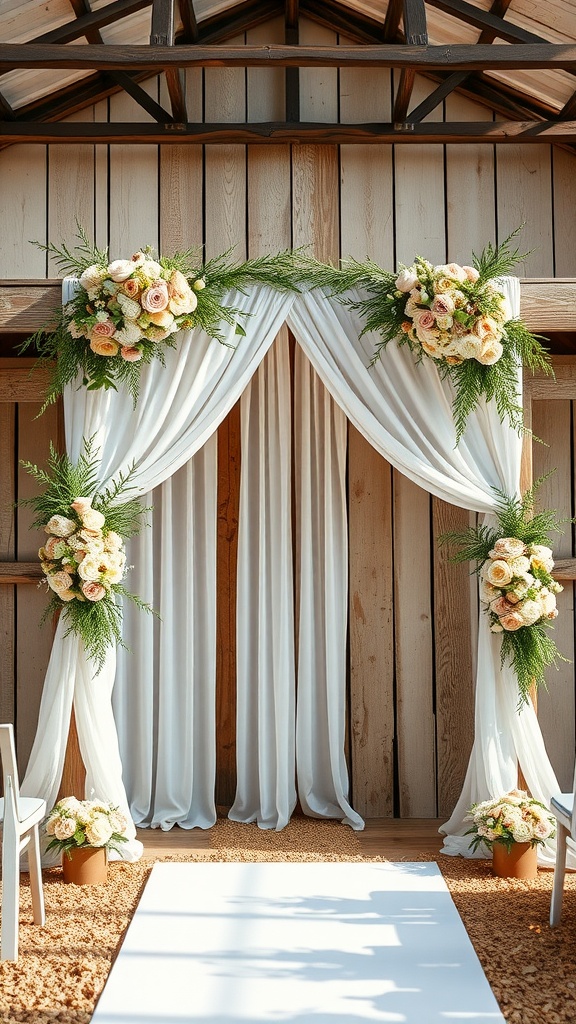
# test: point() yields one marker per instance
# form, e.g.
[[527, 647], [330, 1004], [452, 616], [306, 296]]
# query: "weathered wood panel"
[[31, 657], [552, 422], [415, 725], [7, 553], [524, 197]]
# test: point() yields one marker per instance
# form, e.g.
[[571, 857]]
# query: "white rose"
[[469, 346], [130, 308], [90, 568], [151, 269], [92, 277], [128, 335], [530, 612], [519, 565], [407, 279], [488, 592], [120, 270], [547, 602], [98, 830], [541, 557]]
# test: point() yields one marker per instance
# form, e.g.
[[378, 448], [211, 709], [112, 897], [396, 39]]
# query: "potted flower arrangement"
[[83, 831], [512, 826]]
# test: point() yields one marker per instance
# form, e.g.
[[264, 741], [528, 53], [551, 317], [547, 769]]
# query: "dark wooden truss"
[[399, 41]]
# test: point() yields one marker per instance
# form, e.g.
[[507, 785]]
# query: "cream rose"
[[64, 828], [443, 305], [90, 568], [59, 581], [60, 526], [452, 270], [92, 519], [469, 346], [155, 298], [81, 505], [491, 352], [497, 573], [130, 308], [508, 547], [541, 557], [488, 593], [547, 602], [530, 612]]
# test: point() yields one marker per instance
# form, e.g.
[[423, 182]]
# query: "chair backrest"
[[8, 757]]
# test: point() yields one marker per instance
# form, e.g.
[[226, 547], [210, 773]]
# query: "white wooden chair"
[[562, 805], [21, 817]]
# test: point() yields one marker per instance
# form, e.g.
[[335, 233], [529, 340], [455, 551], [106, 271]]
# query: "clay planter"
[[521, 862], [86, 865]]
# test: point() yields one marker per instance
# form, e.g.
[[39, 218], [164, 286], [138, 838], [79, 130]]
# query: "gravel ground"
[[63, 967]]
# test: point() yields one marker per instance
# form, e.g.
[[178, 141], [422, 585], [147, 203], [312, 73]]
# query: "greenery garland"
[[452, 314], [83, 558], [514, 564], [126, 312]]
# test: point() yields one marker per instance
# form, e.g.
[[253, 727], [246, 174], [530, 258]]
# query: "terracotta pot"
[[85, 865], [521, 862]]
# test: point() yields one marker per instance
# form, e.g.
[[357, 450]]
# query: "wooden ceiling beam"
[[291, 15], [457, 57], [235, 20], [438, 132], [403, 95]]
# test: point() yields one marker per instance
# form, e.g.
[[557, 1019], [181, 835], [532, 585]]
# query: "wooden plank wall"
[[411, 613]]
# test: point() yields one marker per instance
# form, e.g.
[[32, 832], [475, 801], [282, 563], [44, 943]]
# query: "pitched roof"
[[83, 50]]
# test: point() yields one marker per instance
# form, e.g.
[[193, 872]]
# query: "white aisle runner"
[[296, 943]]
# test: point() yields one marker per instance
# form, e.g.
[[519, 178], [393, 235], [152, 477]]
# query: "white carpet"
[[296, 943]]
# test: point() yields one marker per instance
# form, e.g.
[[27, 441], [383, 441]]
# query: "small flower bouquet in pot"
[[83, 831], [512, 826]]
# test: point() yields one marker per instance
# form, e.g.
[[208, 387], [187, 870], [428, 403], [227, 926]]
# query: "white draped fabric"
[[404, 410]]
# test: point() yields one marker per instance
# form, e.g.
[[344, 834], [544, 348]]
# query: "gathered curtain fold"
[[404, 411]]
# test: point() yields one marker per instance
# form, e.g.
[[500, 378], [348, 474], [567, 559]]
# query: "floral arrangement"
[[514, 818], [455, 315], [76, 823], [83, 557], [126, 311], [517, 589]]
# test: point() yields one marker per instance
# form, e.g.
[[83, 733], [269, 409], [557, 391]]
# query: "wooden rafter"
[[486, 20], [189, 22], [275, 132], [163, 34], [392, 20], [93, 19], [292, 75], [416, 34], [341, 18]]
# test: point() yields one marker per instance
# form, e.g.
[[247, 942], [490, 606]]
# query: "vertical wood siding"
[[411, 612]]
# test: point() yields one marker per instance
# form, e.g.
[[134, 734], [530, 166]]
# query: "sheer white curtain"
[[320, 432], [180, 407], [164, 696], [404, 410], [266, 790]]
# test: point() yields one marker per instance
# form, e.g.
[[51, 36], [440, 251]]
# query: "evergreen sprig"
[[97, 622]]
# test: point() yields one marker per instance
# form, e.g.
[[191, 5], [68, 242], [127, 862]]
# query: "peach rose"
[[131, 288], [501, 607], [512, 622], [92, 519], [60, 526], [130, 353], [59, 581], [443, 304], [424, 319], [81, 505], [508, 547], [155, 298], [103, 329], [93, 591], [163, 319], [182, 298], [471, 274], [491, 352], [104, 346]]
